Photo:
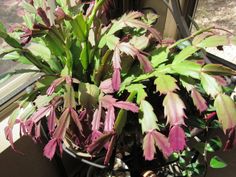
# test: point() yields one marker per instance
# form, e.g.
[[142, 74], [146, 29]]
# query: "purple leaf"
[[44, 17], [99, 143], [177, 138]]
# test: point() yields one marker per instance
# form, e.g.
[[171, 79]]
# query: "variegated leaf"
[[174, 109], [218, 69], [149, 119], [165, 84], [226, 111], [210, 85], [198, 100]]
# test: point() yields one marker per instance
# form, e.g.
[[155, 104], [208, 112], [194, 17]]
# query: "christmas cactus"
[[100, 79]]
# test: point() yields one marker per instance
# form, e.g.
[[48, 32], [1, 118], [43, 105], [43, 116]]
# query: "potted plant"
[[117, 87]]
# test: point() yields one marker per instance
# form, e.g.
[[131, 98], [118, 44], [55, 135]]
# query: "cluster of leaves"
[[92, 74]]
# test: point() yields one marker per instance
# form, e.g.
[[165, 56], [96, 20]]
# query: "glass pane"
[[220, 13]]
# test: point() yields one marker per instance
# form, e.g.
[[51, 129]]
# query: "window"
[[221, 13]]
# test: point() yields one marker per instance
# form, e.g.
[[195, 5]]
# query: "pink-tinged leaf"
[[128, 49], [162, 143], [62, 125], [226, 111], [116, 80], [90, 8], [76, 119], [217, 69], [116, 59], [107, 101], [95, 135], [165, 84], [50, 148], [97, 118], [106, 86], [210, 115], [198, 100], [145, 63], [177, 138], [99, 143], [174, 109], [42, 112], [37, 131], [53, 86], [52, 120], [127, 106], [149, 146], [131, 20], [148, 120], [156, 34], [221, 80], [59, 14], [210, 85], [9, 136], [109, 119]]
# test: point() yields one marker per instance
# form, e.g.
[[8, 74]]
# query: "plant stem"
[[121, 118], [98, 74], [191, 36], [97, 5]]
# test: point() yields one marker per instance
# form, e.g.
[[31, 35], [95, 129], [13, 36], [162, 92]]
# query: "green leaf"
[[15, 56], [28, 7], [88, 95], [3, 31], [188, 68], [214, 144], [139, 89], [184, 54], [148, 120], [217, 69], [55, 45], [217, 162], [159, 56], [7, 38], [44, 53], [43, 100], [214, 41], [139, 42], [226, 111], [210, 85], [110, 40], [79, 27], [84, 58], [165, 84]]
